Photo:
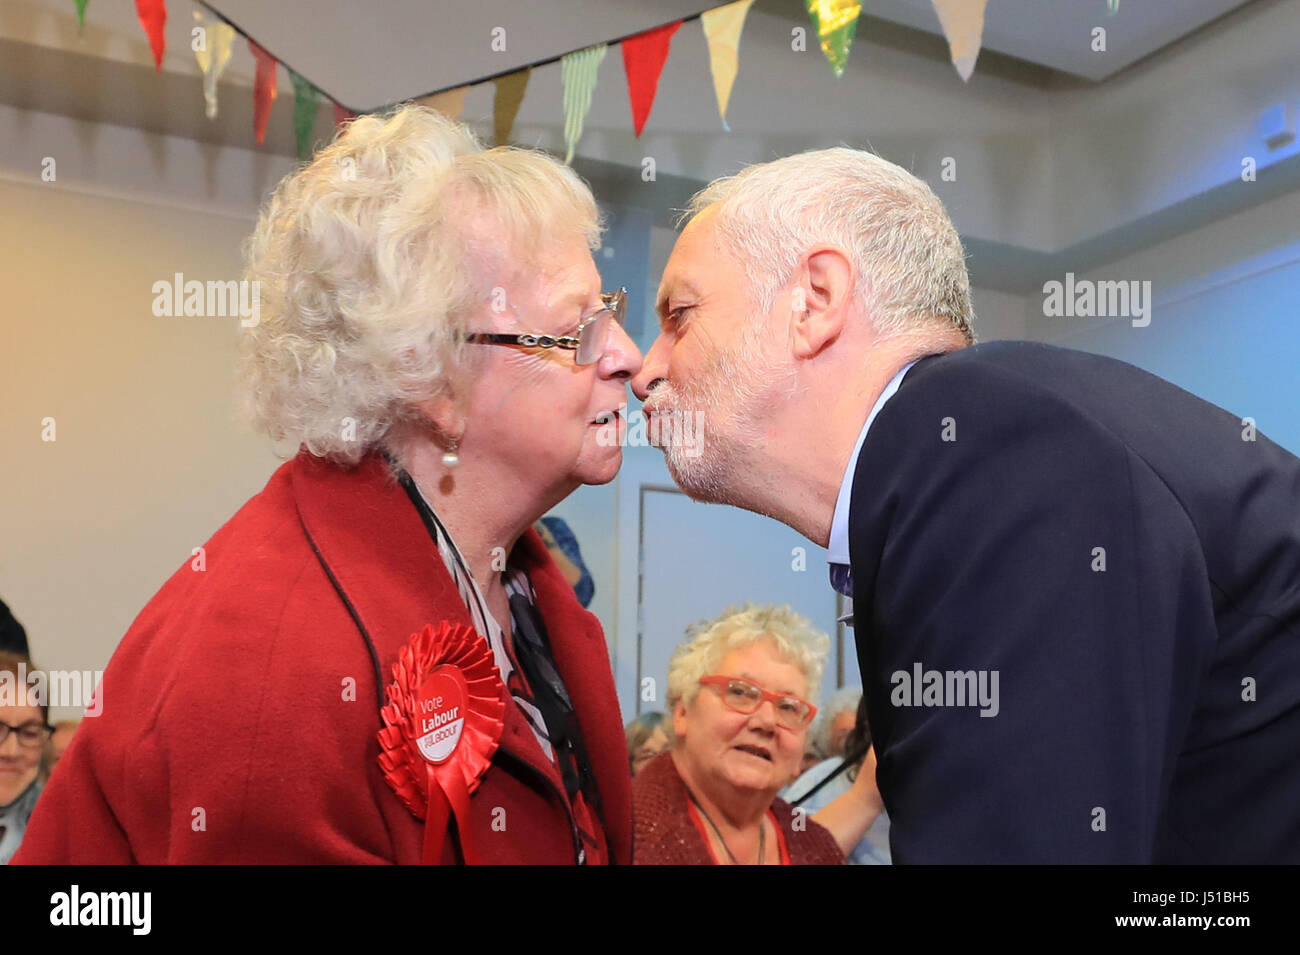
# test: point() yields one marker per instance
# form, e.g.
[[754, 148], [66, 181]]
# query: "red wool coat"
[[228, 734]]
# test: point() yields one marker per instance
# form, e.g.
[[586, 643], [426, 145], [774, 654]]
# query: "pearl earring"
[[450, 458]]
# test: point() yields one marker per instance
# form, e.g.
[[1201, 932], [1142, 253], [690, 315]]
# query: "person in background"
[[812, 755], [24, 753], [737, 691], [837, 720], [563, 545], [13, 637], [833, 724], [63, 732], [647, 736], [865, 839]]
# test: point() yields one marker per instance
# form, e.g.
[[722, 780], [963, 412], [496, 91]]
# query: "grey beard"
[[746, 377]]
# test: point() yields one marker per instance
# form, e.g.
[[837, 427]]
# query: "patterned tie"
[[842, 579]]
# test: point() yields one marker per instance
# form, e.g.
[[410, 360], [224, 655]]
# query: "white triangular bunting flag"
[[963, 25]]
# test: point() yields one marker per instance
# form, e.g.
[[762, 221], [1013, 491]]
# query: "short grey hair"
[[367, 274], [643, 727], [911, 267], [793, 635], [845, 699]]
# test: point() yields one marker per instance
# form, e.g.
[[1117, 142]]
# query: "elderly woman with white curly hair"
[[738, 693], [375, 659]]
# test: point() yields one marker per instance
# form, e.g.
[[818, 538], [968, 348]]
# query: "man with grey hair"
[[1068, 574]]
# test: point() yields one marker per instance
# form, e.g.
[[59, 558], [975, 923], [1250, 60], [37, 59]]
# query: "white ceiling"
[[370, 55], [899, 94], [1058, 33]]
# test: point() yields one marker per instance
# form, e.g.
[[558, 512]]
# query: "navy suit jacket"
[[1127, 563]]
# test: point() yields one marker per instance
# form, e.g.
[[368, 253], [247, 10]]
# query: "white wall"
[[1225, 322], [1173, 128], [146, 463], [999, 315]]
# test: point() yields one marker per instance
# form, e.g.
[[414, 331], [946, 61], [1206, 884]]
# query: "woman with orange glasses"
[[737, 692]]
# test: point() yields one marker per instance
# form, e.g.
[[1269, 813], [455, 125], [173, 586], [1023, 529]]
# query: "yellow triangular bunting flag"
[[213, 56], [836, 21], [449, 102], [722, 26], [505, 105]]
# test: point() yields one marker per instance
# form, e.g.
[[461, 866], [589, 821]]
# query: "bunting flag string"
[[963, 25], [213, 54], [505, 105], [306, 104], [644, 56], [578, 76], [153, 17], [836, 21], [722, 26], [265, 88]]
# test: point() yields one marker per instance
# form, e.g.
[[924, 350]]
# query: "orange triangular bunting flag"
[[451, 103]]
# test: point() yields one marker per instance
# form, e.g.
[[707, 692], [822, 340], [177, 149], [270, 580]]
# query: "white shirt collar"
[[838, 550]]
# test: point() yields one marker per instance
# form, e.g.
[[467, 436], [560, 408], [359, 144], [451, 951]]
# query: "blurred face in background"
[[810, 759], [841, 727], [19, 762], [656, 743]]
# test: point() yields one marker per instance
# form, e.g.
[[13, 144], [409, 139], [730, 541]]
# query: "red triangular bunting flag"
[[644, 56], [153, 16], [265, 87], [341, 116]]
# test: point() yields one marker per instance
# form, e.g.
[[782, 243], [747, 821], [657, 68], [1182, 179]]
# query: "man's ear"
[[820, 301]]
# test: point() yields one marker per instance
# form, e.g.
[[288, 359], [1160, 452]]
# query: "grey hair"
[[911, 266], [368, 271], [795, 638], [643, 727], [846, 698]]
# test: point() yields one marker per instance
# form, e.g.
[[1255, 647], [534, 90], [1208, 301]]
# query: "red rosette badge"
[[442, 723]]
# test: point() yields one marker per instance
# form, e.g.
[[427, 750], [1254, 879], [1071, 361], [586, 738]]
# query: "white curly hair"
[[795, 640], [369, 261]]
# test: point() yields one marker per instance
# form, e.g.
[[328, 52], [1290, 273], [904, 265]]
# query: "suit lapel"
[[865, 551]]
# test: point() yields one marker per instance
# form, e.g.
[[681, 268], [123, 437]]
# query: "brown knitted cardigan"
[[663, 833]]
